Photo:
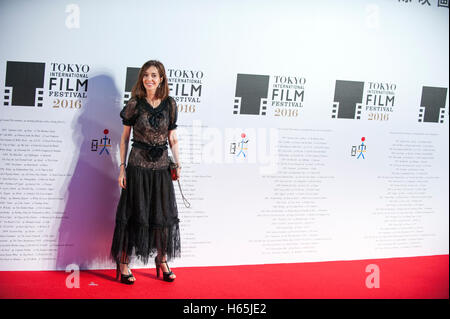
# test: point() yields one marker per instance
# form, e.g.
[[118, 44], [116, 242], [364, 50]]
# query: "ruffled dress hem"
[[147, 216]]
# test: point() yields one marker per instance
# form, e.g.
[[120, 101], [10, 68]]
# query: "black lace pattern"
[[151, 126]]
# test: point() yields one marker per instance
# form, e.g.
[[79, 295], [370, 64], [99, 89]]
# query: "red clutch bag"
[[173, 172], [173, 168]]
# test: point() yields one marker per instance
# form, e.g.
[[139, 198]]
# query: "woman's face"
[[151, 78]]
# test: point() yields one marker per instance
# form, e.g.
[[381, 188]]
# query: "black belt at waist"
[[154, 152]]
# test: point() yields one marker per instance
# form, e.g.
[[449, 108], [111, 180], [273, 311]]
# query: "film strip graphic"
[[335, 110], [251, 94], [24, 84], [238, 103], [432, 104], [347, 103]]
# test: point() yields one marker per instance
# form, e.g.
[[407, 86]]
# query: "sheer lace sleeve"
[[173, 114], [129, 113]]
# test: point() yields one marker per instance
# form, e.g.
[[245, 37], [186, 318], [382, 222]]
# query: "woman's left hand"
[[178, 172]]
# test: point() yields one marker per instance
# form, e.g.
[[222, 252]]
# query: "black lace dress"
[[147, 216]]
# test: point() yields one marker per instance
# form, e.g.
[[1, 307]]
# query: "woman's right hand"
[[122, 178]]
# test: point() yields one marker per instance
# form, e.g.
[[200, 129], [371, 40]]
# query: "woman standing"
[[147, 216]]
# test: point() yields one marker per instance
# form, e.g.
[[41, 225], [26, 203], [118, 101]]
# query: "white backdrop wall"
[[345, 156]]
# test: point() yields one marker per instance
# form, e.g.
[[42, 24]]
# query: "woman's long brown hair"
[[138, 90]]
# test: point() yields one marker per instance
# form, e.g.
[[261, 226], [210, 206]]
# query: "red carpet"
[[410, 278]]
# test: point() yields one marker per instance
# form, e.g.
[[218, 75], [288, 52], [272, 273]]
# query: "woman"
[[147, 215]]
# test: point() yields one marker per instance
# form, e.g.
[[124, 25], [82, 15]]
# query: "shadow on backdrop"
[[92, 192]]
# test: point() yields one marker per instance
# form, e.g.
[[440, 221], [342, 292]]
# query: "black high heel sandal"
[[125, 279], [166, 275]]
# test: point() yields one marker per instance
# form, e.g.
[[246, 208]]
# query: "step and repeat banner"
[[308, 130]]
